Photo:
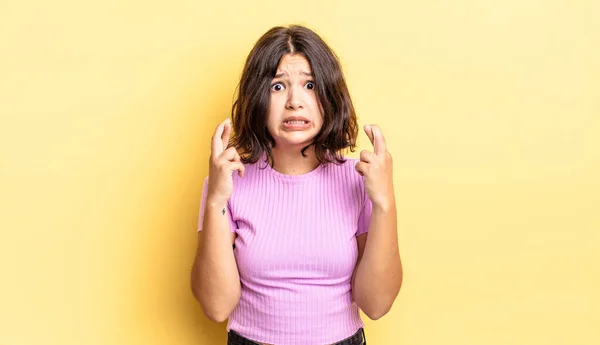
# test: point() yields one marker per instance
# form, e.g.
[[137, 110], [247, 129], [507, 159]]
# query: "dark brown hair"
[[250, 109]]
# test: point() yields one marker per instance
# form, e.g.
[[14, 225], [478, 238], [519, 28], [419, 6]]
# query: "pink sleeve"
[[364, 219], [232, 224]]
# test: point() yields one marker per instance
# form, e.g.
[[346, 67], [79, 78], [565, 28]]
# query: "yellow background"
[[491, 110]]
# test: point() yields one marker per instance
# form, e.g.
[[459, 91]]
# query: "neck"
[[289, 161]]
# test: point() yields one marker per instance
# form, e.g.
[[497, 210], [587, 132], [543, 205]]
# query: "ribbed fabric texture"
[[296, 252]]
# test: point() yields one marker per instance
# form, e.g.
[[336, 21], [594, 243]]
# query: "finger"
[[366, 156], [369, 131], [379, 141], [361, 168], [233, 166], [231, 154], [226, 133], [216, 142]]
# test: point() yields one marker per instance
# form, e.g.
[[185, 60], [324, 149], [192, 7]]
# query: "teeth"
[[296, 122]]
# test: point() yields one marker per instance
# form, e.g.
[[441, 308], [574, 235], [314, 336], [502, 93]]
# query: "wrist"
[[384, 204], [215, 202]]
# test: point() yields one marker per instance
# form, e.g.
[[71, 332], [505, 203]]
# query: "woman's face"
[[295, 115]]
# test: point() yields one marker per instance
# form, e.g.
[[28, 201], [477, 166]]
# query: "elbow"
[[216, 316], [211, 311], [216, 312], [376, 316], [377, 312], [374, 308], [377, 305]]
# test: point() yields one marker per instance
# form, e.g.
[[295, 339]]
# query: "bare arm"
[[215, 278], [378, 274]]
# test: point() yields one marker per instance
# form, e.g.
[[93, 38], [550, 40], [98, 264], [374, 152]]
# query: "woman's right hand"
[[222, 163]]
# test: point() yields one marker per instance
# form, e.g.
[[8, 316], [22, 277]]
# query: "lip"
[[296, 118], [297, 126]]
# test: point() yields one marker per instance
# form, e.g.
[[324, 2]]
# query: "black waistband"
[[234, 338]]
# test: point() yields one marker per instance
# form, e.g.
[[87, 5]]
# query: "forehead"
[[295, 62]]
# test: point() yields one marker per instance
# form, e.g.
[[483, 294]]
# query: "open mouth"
[[296, 122], [296, 125]]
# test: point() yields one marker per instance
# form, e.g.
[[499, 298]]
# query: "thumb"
[[360, 168]]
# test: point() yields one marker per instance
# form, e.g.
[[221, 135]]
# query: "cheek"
[[276, 107], [270, 124], [272, 114], [319, 120], [319, 125]]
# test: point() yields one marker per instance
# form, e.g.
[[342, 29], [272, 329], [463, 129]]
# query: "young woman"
[[293, 238]]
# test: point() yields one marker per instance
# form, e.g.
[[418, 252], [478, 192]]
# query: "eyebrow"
[[308, 74]]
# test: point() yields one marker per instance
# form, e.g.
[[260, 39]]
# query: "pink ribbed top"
[[296, 251]]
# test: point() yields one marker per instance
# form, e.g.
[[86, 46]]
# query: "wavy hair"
[[250, 109]]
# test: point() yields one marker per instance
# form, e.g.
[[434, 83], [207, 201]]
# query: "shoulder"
[[345, 172], [347, 167], [254, 168], [345, 178], [253, 172]]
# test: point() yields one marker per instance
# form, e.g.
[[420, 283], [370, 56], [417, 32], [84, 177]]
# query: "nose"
[[294, 101]]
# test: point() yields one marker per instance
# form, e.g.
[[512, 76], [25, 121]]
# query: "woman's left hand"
[[376, 167]]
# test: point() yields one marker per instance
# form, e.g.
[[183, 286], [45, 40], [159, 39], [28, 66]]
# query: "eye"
[[277, 87], [310, 85]]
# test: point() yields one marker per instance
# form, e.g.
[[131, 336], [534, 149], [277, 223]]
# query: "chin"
[[298, 141]]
